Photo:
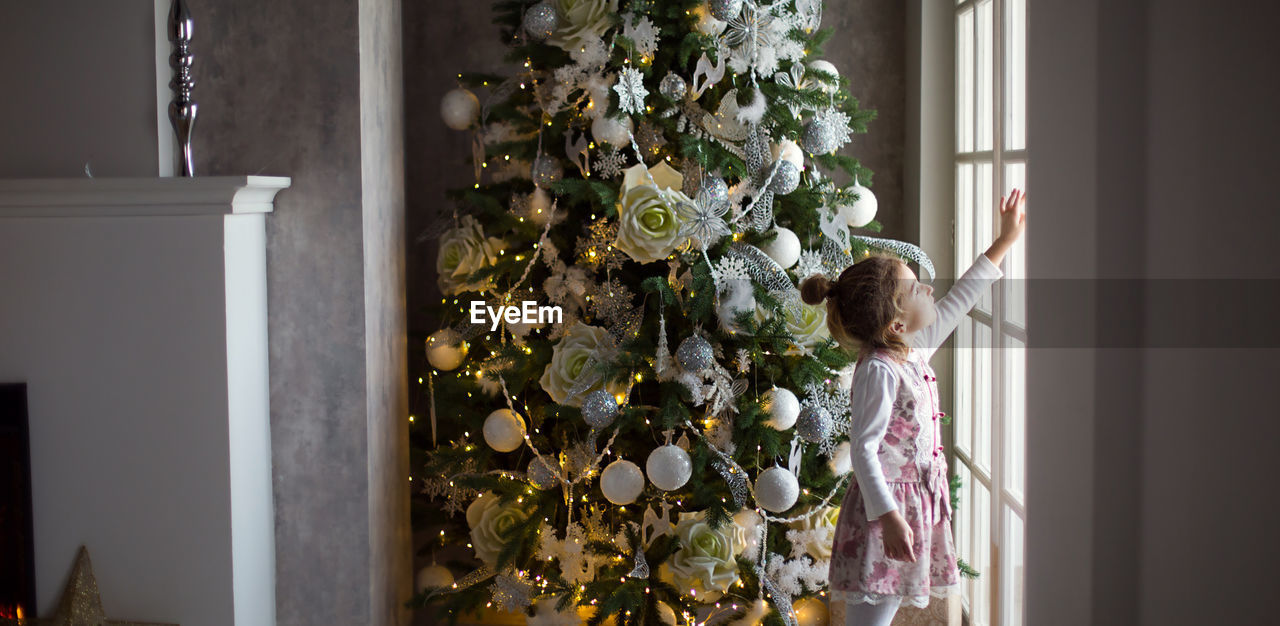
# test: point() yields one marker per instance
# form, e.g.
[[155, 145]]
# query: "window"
[[990, 363]]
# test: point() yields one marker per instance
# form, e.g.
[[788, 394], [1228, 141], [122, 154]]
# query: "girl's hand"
[[1012, 222], [898, 539], [1012, 217]]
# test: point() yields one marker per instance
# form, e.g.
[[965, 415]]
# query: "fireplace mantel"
[[135, 310], [135, 197]]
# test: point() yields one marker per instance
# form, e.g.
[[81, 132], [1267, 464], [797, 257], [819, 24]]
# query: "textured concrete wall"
[[311, 90], [444, 37]]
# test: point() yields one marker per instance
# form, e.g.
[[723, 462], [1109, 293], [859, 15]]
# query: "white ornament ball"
[[707, 23], [460, 109], [668, 467], [823, 65], [539, 206], [434, 576], [785, 248], [504, 430], [788, 150], [621, 482], [612, 130], [783, 407], [811, 612], [777, 489], [446, 350], [666, 615], [863, 210]]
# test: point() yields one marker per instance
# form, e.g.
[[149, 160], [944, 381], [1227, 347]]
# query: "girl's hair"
[[861, 304]]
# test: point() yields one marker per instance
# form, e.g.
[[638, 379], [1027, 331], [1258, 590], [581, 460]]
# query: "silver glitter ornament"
[[545, 171], [673, 87], [599, 408], [820, 137], [540, 475], [541, 20], [785, 179], [695, 353], [724, 10], [813, 424], [713, 191]]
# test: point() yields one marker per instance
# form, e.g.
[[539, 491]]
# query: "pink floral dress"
[[898, 462]]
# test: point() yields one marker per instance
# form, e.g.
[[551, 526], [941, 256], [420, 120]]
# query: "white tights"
[[867, 614]]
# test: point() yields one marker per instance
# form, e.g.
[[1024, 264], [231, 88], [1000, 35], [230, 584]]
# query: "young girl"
[[893, 538]]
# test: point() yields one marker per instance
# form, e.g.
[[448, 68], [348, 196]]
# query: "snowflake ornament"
[[810, 263], [611, 162], [643, 34], [631, 91]]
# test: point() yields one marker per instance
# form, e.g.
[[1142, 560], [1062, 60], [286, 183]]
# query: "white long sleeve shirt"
[[875, 388]]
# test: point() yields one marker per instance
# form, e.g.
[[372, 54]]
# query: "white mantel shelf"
[[137, 197]]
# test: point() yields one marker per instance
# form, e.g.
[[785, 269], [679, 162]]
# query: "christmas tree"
[[639, 419]]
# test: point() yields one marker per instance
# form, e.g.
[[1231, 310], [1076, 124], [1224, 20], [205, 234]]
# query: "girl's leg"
[[866, 614]]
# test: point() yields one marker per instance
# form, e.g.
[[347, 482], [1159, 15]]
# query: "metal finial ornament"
[[182, 110]]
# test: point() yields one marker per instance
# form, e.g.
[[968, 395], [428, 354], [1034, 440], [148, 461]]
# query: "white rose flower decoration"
[[568, 364], [464, 250], [808, 324], [706, 561], [648, 222], [491, 526], [581, 22], [819, 531]]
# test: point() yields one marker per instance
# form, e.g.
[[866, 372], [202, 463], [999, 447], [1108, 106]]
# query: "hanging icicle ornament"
[[695, 353], [599, 408]]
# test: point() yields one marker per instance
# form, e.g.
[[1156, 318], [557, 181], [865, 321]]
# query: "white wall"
[[117, 325]]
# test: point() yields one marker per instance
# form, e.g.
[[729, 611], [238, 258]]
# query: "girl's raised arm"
[[953, 306]]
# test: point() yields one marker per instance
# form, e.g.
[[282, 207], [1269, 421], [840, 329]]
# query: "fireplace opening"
[[17, 541]]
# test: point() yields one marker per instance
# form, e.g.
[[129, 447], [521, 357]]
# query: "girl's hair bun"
[[815, 289]]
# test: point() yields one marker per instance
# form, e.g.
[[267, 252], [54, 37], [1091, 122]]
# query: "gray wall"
[[312, 90], [1151, 142]]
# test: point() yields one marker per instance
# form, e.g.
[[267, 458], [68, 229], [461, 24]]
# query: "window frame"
[[1003, 501]]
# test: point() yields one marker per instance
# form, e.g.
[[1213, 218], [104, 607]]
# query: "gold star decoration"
[[81, 604]]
